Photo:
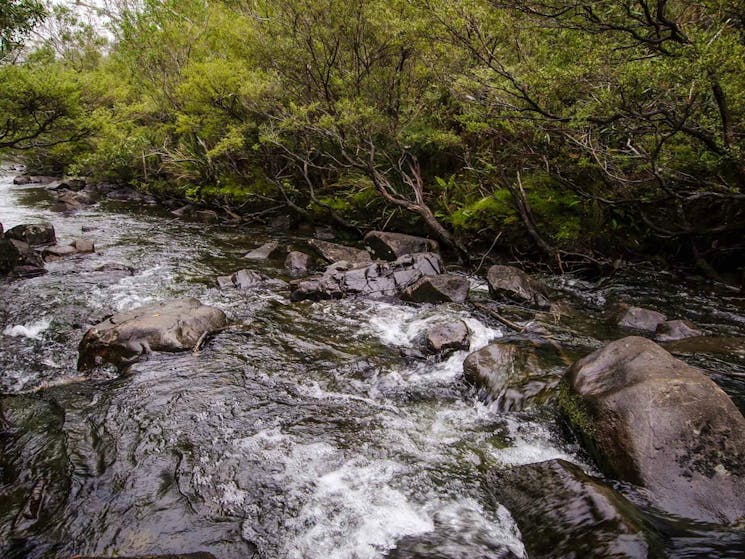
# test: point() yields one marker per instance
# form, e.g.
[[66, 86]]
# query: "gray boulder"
[[515, 373], [34, 234], [379, 279], [266, 251], [124, 338], [512, 283], [562, 512], [14, 254], [442, 339], [78, 246], [638, 318], [443, 288], [390, 246], [333, 253], [676, 330], [657, 422], [298, 263]]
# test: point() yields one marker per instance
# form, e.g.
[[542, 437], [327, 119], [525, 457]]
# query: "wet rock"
[[183, 211], [207, 216], [324, 233], [58, 252], [448, 337], [715, 345], [657, 422], [332, 252], [390, 246], [33, 179], [515, 373], [443, 288], [34, 234], [266, 251], [112, 272], [246, 279], [298, 263], [27, 272], [412, 353], [225, 282], [638, 318], [562, 512], [124, 194], [380, 279], [512, 283], [676, 330], [83, 246], [122, 339], [17, 254]]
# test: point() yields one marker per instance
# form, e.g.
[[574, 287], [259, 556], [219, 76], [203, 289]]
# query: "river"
[[300, 432]]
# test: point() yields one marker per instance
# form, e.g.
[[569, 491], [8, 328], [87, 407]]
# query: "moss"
[[576, 412], [490, 211]]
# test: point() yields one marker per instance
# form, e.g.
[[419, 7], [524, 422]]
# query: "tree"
[[17, 19]]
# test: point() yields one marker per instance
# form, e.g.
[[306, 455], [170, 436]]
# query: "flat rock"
[[515, 373], [83, 246], [715, 345], [33, 179], [58, 252], [390, 246], [34, 234], [443, 288], [333, 253], [676, 330], [379, 279], [512, 283], [266, 251], [562, 512], [655, 421], [124, 338], [638, 318], [448, 337]]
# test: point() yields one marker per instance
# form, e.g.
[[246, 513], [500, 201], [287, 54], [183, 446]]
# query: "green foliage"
[[17, 19]]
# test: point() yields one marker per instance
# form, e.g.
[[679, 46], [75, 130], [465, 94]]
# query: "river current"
[[299, 432]]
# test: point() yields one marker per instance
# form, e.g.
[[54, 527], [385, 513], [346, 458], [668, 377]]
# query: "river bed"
[[300, 432]]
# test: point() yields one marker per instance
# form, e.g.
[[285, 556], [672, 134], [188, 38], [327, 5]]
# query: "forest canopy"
[[562, 129]]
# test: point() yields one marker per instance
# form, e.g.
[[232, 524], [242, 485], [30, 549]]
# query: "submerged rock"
[[448, 337], [638, 318], [562, 512], [657, 422], [380, 279], [443, 288], [333, 253], [390, 246], [715, 345], [676, 330], [122, 339], [515, 372], [512, 283], [34, 234]]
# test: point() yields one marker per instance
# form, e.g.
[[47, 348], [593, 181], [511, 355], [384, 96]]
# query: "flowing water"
[[299, 432]]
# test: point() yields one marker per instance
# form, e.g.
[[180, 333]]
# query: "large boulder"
[[443, 288], [379, 279], [514, 284], [333, 253], [122, 339], [515, 372], [657, 422], [447, 337], [390, 246], [639, 318], [34, 234], [562, 512], [15, 254]]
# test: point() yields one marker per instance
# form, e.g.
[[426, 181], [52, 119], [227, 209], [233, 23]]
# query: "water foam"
[[32, 331]]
